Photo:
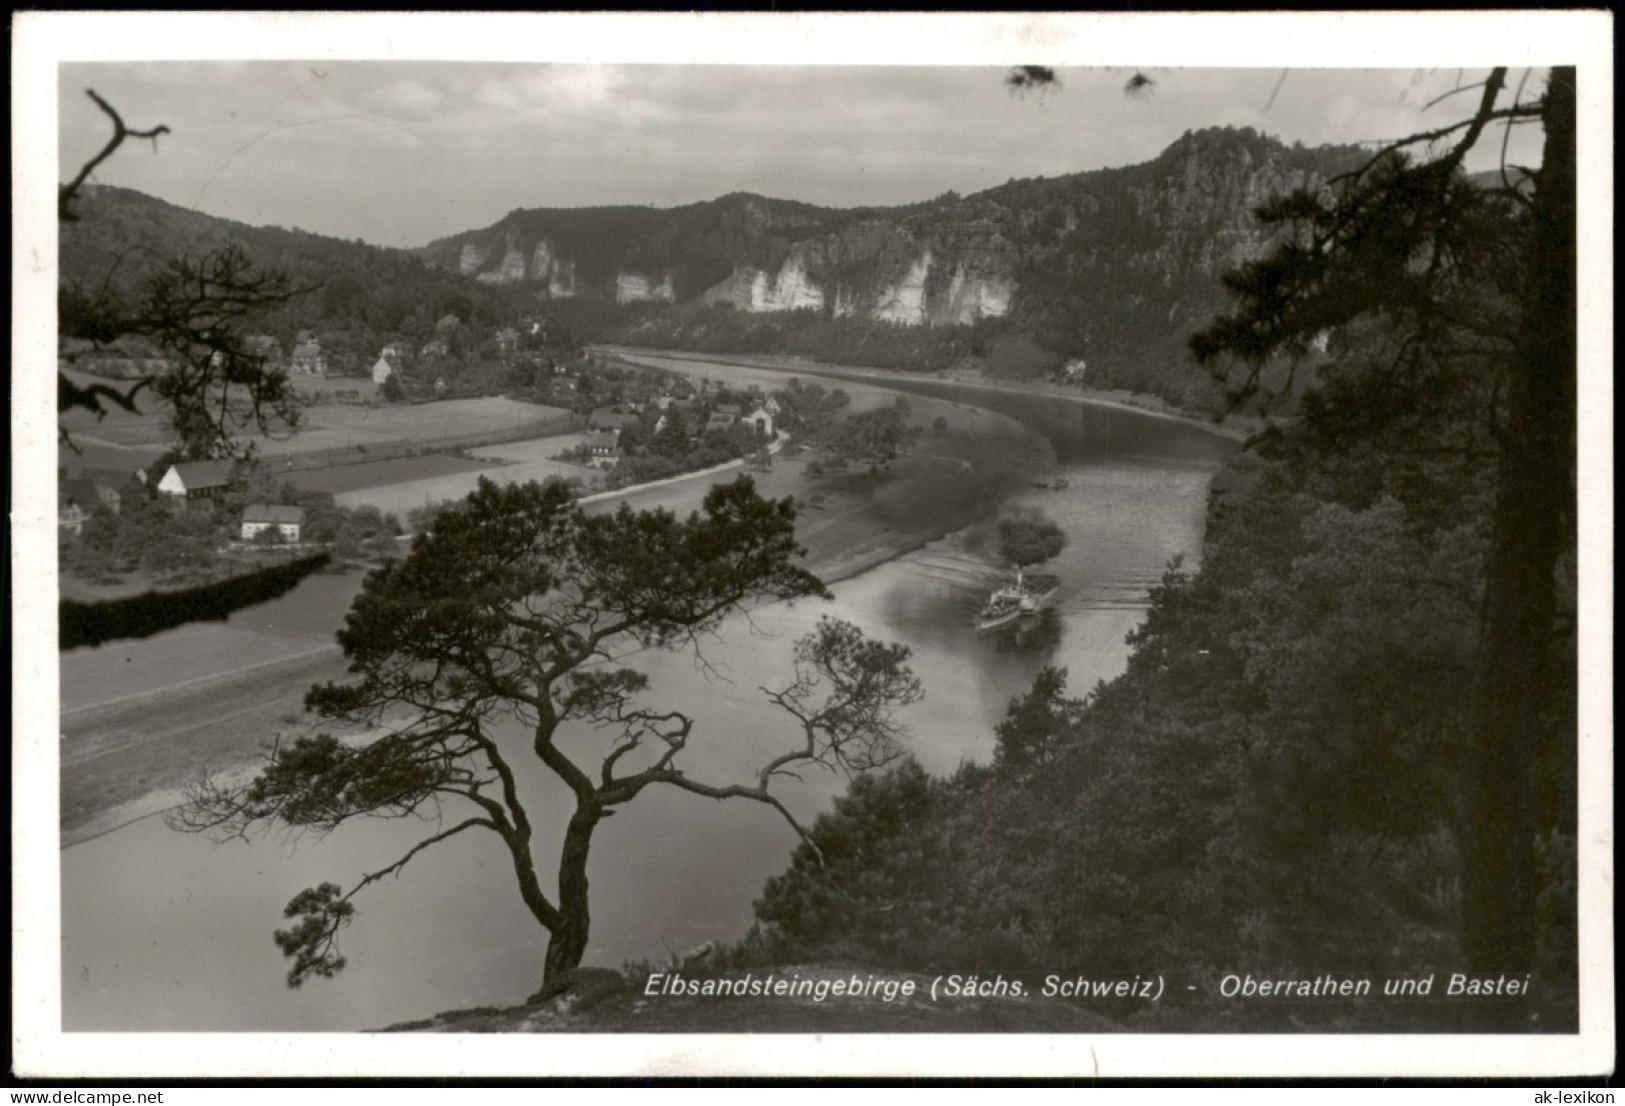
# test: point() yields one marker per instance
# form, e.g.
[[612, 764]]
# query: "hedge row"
[[145, 615]]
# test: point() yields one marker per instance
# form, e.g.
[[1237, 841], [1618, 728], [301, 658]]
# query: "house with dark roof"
[[718, 421], [69, 515], [263, 516], [307, 358], [195, 480], [605, 447], [90, 493], [265, 347], [606, 419]]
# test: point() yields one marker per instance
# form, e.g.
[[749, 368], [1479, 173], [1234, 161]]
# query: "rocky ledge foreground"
[[786, 999]]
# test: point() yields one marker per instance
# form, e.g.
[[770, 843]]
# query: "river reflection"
[[162, 931]]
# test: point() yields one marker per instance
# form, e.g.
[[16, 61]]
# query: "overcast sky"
[[402, 152]]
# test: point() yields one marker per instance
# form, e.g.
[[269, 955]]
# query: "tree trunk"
[[568, 943], [1517, 669]]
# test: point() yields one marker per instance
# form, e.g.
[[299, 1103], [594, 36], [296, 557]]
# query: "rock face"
[[1063, 255], [640, 288]]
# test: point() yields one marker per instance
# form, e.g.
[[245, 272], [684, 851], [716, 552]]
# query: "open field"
[[398, 499], [334, 425], [445, 418], [343, 425], [327, 385], [119, 428], [88, 454], [529, 451], [341, 479], [242, 559]]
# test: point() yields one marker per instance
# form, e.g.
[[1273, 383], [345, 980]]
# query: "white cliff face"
[[751, 289], [904, 302], [562, 282], [471, 258], [511, 270], [971, 298], [791, 290], [541, 260], [967, 298], [635, 288]]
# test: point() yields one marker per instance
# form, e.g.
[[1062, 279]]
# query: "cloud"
[[575, 135]]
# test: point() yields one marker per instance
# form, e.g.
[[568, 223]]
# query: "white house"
[[762, 421], [263, 516], [383, 369], [195, 480]]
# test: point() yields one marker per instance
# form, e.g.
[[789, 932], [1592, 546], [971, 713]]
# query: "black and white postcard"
[[966, 544]]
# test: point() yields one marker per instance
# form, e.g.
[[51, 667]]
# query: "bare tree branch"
[[66, 194]]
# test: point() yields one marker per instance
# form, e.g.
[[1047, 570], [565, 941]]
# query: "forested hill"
[[363, 295], [1274, 787], [1112, 267], [1105, 271]]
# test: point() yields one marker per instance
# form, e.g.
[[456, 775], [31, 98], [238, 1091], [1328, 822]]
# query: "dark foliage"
[[1477, 290], [144, 615], [1030, 538]]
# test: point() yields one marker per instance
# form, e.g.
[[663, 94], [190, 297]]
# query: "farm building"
[[264, 516], [605, 447], [69, 515], [90, 493], [762, 421], [195, 480], [383, 369], [264, 346], [606, 419], [307, 358]]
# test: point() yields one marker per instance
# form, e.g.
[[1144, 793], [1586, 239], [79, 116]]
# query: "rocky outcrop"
[[789, 288], [1066, 256], [952, 273], [639, 288]]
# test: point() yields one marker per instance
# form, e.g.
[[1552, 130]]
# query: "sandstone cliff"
[[1061, 256]]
